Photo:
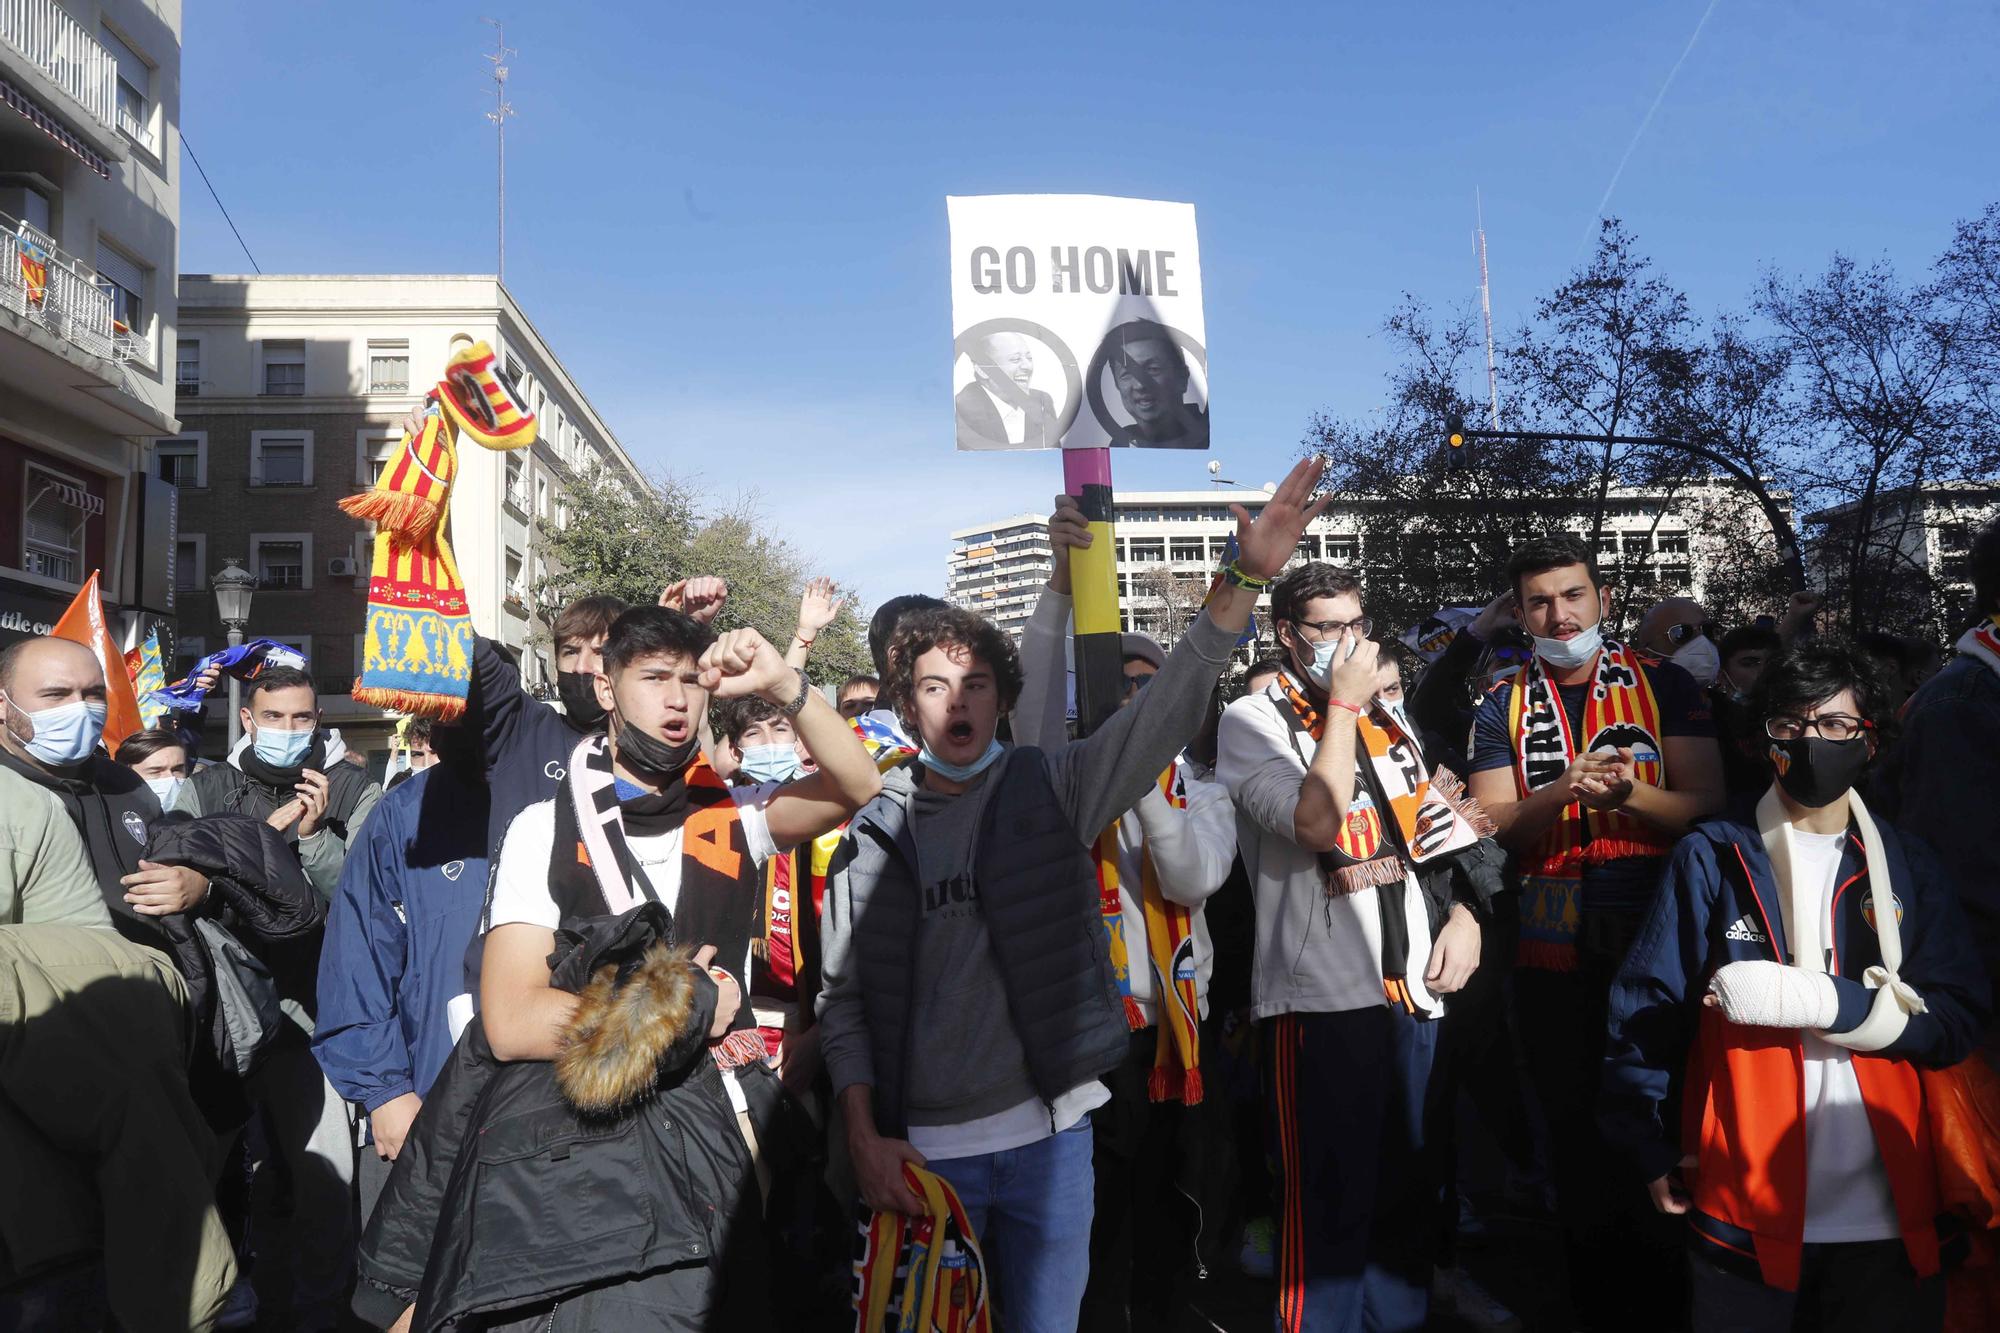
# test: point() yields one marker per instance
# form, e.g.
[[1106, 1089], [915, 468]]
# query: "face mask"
[[1325, 653], [1700, 658], [67, 733], [960, 772], [649, 754], [770, 763], [578, 690], [1815, 771], [168, 789], [1568, 654], [282, 749], [1402, 719]]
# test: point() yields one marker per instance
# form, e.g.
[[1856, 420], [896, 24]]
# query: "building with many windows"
[[89, 242], [292, 391]]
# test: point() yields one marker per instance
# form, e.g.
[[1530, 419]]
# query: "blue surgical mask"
[[960, 772], [168, 789], [770, 763], [282, 749], [67, 733], [1568, 654], [1327, 652]]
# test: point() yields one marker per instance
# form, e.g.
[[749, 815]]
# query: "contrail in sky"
[[1640, 133]]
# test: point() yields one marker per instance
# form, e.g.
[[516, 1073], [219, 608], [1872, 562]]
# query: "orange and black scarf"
[[592, 871], [1429, 816], [1621, 710], [1169, 943]]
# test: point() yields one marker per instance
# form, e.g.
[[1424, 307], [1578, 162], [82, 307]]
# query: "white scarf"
[[1895, 1000]]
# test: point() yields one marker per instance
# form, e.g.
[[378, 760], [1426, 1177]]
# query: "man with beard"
[[391, 971], [1002, 404], [1592, 759], [1151, 373]]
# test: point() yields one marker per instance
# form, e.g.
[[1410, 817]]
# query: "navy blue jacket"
[[1718, 903], [528, 743], [1938, 783], [407, 906]]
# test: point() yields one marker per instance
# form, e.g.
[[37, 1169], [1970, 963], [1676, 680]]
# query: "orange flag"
[[83, 623]]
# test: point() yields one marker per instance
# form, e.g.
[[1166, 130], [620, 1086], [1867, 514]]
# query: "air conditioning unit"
[[343, 567]]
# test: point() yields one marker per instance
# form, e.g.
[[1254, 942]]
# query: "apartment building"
[[291, 394], [89, 242]]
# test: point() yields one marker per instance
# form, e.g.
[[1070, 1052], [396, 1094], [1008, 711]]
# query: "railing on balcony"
[[44, 285], [64, 50]]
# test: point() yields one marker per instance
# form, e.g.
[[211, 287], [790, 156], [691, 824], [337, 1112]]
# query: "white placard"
[[1077, 323]]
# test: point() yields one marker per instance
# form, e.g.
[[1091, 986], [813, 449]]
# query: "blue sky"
[[729, 219]]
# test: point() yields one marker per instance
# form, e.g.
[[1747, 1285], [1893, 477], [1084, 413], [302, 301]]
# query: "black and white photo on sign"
[[1077, 323]]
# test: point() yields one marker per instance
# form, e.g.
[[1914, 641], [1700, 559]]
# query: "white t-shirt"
[[1016, 1127], [1847, 1191]]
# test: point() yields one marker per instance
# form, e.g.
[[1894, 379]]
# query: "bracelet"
[[802, 640], [1233, 574], [796, 706], [1355, 709]]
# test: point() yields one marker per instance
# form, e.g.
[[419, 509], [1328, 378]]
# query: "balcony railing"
[[64, 50], [42, 284]]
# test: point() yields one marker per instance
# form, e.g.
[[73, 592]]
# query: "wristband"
[[796, 706], [1232, 574], [1355, 709]]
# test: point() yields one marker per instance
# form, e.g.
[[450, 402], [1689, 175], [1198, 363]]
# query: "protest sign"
[[1077, 323]]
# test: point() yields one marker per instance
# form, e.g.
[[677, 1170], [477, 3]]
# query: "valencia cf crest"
[[1868, 909], [1360, 835], [136, 827]]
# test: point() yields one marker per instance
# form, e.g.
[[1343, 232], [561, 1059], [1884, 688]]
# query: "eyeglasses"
[[1133, 684], [1682, 635], [1326, 629], [1830, 726]]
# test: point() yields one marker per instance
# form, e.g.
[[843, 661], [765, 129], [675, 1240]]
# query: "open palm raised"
[[1265, 543]]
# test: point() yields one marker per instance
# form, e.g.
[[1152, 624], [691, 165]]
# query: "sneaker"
[[1259, 1258], [239, 1308], [1455, 1290]]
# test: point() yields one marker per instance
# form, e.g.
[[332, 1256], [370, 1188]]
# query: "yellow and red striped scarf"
[[1621, 710], [1169, 942], [922, 1274], [418, 647]]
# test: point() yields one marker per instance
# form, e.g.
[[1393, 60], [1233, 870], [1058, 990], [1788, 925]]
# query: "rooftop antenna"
[[502, 109], [1486, 309]]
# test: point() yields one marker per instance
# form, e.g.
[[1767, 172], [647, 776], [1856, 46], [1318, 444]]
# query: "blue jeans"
[[1031, 1209]]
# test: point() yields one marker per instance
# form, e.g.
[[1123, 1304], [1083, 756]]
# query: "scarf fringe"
[[444, 708], [1599, 850], [1344, 881], [1452, 791], [398, 511], [1166, 1084], [1134, 1017], [1546, 955]]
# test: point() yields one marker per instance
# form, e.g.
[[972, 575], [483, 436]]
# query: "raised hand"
[[818, 607], [742, 662], [1265, 543], [700, 597], [1068, 529]]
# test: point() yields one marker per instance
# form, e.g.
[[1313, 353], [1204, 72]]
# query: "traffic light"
[[1454, 439]]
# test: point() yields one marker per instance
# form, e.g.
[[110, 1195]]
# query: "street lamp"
[[233, 588]]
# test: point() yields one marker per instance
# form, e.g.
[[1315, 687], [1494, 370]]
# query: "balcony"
[[44, 286], [60, 64]]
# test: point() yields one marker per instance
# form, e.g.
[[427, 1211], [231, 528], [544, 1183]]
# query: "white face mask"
[[1568, 654], [65, 734], [167, 788], [1700, 658], [1327, 652]]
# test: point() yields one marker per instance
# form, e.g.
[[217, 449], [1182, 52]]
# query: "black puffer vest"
[[227, 788], [1038, 890]]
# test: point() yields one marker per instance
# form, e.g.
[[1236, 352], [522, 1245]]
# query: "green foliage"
[[633, 539]]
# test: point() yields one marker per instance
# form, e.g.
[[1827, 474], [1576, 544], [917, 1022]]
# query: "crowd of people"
[[703, 998]]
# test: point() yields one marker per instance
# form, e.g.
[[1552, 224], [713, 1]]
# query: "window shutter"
[[121, 270]]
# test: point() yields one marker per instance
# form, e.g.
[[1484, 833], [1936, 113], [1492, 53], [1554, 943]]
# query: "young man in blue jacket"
[[391, 974], [1800, 964]]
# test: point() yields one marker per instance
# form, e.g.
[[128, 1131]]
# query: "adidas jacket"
[[1680, 1079]]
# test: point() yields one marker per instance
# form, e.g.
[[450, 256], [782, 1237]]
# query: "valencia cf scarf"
[[922, 1274], [1620, 711], [1402, 816], [592, 871], [1169, 944], [417, 656]]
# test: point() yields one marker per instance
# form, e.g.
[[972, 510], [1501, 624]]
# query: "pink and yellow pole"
[[1100, 669]]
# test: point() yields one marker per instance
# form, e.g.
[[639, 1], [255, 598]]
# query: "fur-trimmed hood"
[[643, 1009]]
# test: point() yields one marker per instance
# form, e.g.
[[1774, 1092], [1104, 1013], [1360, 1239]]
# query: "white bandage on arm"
[[1761, 993]]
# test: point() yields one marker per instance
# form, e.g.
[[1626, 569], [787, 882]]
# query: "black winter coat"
[[507, 1209]]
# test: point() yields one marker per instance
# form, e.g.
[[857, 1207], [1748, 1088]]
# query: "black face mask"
[[1815, 771], [652, 756], [578, 690]]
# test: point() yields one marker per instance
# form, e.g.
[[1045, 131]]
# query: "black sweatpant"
[[1862, 1287]]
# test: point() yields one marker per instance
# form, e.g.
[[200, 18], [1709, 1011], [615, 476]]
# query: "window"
[[187, 367], [284, 368], [183, 460], [1309, 547], [126, 281], [1345, 550], [281, 560], [190, 563], [135, 89], [517, 486], [280, 458], [1189, 551], [541, 497], [389, 366], [1147, 550], [1674, 543], [57, 510], [517, 593], [373, 447]]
